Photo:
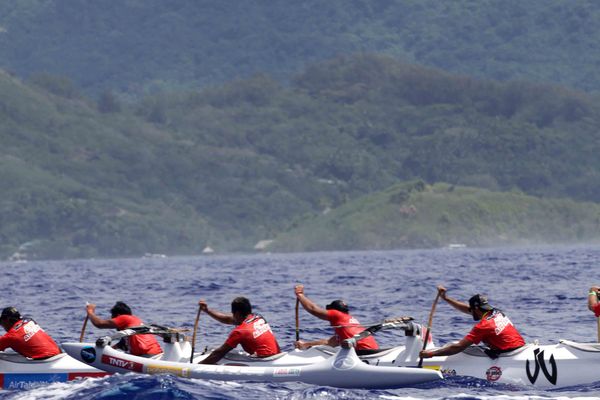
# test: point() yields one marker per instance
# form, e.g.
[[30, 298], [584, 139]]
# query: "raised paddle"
[[84, 325], [298, 320], [83, 329], [194, 335], [437, 297]]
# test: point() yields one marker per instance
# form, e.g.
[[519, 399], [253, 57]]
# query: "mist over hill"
[[140, 46]]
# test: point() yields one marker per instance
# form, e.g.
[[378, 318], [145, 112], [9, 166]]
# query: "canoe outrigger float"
[[544, 366], [19, 372], [343, 369]]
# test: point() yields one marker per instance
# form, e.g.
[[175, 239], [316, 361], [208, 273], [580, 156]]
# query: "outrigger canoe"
[[343, 369], [19, 372], [558, 365]]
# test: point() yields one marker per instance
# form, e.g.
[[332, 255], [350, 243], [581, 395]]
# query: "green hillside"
[[137, 46], [416, 215], [236, 163]]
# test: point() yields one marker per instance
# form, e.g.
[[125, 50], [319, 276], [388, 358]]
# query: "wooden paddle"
[[85, 321], [194, 335], [437, 297], [298, 320], [83, 329]]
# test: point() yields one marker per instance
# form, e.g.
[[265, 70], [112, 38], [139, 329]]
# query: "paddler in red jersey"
[[252, 332], [144, 345], [345, 325], [593, 303], [25, 336], [494, 328]]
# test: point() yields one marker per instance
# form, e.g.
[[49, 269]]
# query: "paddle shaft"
[[83, 329], [298, 320], [429, 323], [598, 321], [194, 335]]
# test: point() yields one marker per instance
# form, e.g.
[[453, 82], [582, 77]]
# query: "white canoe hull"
[[543, 366], [18, 372], [343, 369]]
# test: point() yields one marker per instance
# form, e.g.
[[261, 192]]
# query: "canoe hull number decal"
[[540, 364]]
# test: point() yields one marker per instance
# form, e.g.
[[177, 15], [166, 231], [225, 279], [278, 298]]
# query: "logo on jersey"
[[30, 328], [260, 327], [501, 321]]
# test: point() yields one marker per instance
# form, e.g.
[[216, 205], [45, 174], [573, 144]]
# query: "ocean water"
[[543, 290]]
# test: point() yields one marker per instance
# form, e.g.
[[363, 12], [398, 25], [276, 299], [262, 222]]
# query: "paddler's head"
[[120, 308], [9, 317], [339, 305], [240, 308], [478, 305]]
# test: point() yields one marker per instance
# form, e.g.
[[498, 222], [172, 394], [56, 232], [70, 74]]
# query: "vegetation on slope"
[[139, 45], [237, 163], [416, 215]]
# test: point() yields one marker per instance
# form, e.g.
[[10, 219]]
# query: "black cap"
[[479, 301], [339, 305], [10, 313]]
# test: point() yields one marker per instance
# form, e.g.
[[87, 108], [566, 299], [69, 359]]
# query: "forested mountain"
[[138, 46], [231, 164]]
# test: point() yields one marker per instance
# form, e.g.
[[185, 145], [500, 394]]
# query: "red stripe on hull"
[[75, 375]]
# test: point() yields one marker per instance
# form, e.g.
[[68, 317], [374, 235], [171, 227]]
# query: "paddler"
[[252, 332], [25, 336], [593, 303], [345, 325], [144, 345], [494, 328]]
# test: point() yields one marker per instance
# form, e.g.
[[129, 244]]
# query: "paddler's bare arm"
[[447, 350], [97, 321], [217, 354], [303, 345], [459, 305], [308, 304], [223, 318]]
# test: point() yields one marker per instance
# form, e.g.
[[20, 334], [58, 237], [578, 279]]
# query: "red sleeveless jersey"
[[255, 336], [348, 326], [138, 345], [496, 331], [29, 339]]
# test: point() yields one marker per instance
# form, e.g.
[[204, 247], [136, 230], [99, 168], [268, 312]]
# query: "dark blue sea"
[[543, 290]]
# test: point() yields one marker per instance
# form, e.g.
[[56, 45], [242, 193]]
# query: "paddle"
[[85, 321], [598, 321], [298, 320], [194, 335], [83, 329], [437, 297]]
